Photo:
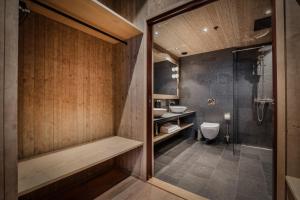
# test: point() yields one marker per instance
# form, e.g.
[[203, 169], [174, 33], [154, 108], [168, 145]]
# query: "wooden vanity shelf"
[[89, 16], [43, 170], [163, 136]]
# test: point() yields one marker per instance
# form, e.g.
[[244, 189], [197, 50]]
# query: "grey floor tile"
[[250, 155], [201, 170], [214, 172], [158, 166], [252, 197], [169, 178], [218, 189], [164, 159], [250, 187], [209, 160], [192, 183]]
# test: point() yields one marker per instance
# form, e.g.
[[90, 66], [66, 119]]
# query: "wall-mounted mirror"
[[165, 75]]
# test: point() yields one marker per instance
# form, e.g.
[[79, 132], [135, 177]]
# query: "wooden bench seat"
[[43, 170]]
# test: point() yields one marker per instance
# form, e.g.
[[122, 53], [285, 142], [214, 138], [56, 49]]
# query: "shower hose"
[[260, 106]]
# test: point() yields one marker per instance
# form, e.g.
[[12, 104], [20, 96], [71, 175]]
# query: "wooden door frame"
[[172, 13], [150, 23], [8, 97]]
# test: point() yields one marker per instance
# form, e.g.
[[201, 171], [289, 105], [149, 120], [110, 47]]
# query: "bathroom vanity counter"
[[163, 136], [172, 116], [183, 120]]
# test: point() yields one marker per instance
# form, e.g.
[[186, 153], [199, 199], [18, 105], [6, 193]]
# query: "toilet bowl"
[[210, 130]]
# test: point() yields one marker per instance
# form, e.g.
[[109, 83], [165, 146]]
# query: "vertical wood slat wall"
[[65, 87], [8, 98]]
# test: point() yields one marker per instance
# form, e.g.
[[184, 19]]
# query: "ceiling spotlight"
[[205, 29], [156, 33], [267, 12], [184, 53]]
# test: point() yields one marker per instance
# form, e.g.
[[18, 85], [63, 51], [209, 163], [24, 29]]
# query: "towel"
[[169, 128]]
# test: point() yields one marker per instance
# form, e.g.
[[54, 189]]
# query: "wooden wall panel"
[[292, 15], [130, 87], [281, 100], [8, 98], [130, 73], [129, 101], [2, 33], [65, 87]]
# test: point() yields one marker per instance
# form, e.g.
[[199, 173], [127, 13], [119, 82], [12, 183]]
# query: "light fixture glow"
[[174, 69], [205, 29], [156, 33], [268, 11], [175, 76]]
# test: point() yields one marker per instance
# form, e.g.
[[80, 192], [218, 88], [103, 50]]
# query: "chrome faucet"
[[170, 103]]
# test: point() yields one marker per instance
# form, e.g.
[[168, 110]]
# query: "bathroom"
[[213, 125]]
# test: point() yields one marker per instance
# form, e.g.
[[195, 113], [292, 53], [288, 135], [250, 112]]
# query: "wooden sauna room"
[[73, 79]]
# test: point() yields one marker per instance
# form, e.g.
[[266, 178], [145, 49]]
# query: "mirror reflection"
[[165, 74], [165, 78]]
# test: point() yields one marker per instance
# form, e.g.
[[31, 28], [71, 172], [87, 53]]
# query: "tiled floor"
[[213, 171]]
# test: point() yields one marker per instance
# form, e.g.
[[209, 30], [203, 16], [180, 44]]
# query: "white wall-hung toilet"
[[210, 130]]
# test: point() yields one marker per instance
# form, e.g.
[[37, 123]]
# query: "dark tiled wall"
[[211, 75], [204, 76]]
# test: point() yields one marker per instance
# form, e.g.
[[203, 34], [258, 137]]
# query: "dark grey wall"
[[163, 81], [211, 75], [204, 76]]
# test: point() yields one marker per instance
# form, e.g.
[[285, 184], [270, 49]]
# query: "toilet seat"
[[210, 125]]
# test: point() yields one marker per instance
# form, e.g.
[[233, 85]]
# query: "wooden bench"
[[46, 169]]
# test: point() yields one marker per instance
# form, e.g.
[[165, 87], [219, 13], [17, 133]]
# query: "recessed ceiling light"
[[176, 48], [205, 29], [216, 27], [268, 11], [184, 53], [156, 33]]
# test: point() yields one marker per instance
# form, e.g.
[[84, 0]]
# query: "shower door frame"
[[235, 92], [194, 4]]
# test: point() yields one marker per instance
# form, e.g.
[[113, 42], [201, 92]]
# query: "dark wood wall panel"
[[65, 87]]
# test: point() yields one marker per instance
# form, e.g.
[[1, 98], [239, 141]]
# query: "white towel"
[[169, 128]]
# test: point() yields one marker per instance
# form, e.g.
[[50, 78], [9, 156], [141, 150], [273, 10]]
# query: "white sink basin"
[[178, 109], [158, 112]]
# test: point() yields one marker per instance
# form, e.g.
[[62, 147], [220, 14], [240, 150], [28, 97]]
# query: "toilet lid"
[[210, 125]]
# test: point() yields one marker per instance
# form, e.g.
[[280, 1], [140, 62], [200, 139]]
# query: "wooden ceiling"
[[235, 21]]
